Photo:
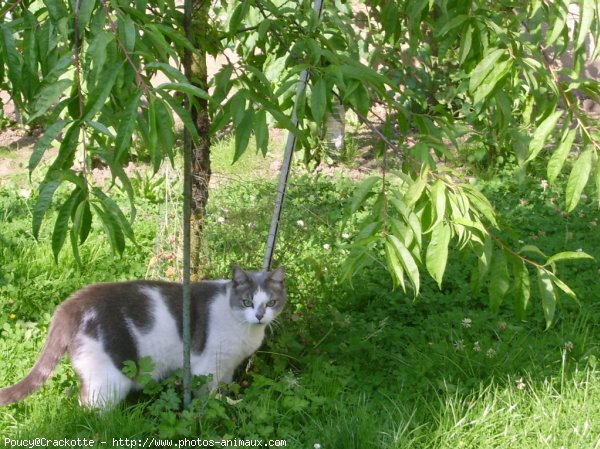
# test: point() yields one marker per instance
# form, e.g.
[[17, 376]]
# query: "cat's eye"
[[247, 303], [271, 303]]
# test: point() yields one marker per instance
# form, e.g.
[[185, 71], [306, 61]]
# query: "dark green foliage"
[[449, 78]]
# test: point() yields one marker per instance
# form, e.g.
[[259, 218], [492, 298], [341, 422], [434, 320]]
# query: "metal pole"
[[187, 216], [287, 162]]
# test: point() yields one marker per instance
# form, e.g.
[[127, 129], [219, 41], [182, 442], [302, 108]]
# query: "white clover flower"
[[292, 381], [491, 353], [326, 246], [459, 345], [477, 347], [300, 223], [569, 346], [221, 220], [579, 250], [345, 236], [24, 193], [544, 184], [317, 446], [521, 385], [466, 323]]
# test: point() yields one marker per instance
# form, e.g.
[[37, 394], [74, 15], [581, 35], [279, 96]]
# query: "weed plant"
[[349, 364]]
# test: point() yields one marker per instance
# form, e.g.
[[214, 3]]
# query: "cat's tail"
[[62, 329]]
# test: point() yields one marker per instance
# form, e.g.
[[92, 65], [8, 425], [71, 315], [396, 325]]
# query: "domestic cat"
[[103, 325]]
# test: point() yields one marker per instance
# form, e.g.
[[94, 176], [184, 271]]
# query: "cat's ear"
[[239, 276], [278, 275]]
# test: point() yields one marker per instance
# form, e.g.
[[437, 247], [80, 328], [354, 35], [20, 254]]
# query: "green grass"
[[347, 366]]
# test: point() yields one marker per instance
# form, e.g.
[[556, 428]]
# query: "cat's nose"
[[259, 315]]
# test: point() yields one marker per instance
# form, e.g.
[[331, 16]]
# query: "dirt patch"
[[16, 146]]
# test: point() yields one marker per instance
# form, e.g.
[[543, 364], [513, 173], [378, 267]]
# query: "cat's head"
[[257, 298]]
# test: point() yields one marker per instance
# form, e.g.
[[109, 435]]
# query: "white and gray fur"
[[103, 325]]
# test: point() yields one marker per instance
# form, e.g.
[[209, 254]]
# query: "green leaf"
[[182, 113], [416, 188], [485, 67], [100, 128], [394, 266], [223, 84], [243, 131], [318, 100], [562, 10], [557, 160], [587, 12], [485, 88], [11, 56], [578, 179], [85, 225], [153, 126], [481, 203], [437, 252], [407, 261], [176, 35], [166, 136], [46, 192], [499, 280], [111, 228], [114, 211], [82, 223], [567, 255], [61, 225], [168, 70], [44, 143], [186, 88], [561, 285], [125, 129], [548, 295], [261, 132], [456, 21], [101, 91], [47, 97], [118, 172], [56, 9], [237, 16], [521, 287], [362, 191], [360, 99], [438, 202], [127, 32], [541, 135], [465, 44], [86, 7], [96, 55]]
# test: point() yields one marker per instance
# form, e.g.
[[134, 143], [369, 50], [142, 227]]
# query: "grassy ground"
[[347, 366]]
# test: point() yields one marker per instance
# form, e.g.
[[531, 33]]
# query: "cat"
[[103, 325]]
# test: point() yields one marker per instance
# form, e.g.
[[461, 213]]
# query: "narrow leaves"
[[541, 135], [578, 179], [547, 294], [499, 280], [557, 160], [437, 252], [407, 262]]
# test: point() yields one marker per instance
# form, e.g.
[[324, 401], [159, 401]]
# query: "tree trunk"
[[201, 172]]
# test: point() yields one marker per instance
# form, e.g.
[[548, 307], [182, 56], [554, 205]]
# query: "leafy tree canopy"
[[440, 76]]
